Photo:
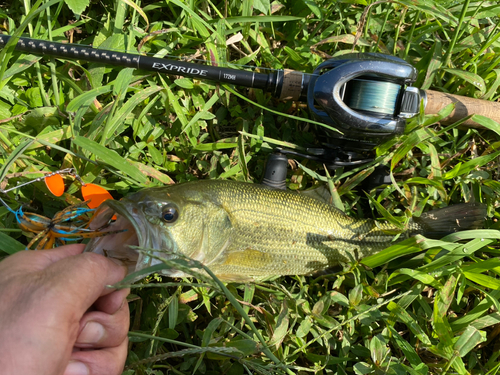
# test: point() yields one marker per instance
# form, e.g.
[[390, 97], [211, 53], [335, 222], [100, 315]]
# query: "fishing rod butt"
[[464, 106]]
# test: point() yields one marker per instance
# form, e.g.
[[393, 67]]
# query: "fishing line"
[[372, 96]]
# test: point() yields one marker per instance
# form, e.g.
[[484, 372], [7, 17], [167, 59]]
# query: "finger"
[[55, 255], [29, 261], [101, 330], [112, 302], [86, 277], [109, 361]]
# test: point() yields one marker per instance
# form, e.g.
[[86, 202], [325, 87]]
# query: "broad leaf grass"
[[420, 307]]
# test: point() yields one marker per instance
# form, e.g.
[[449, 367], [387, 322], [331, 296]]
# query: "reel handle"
[[464, 106]]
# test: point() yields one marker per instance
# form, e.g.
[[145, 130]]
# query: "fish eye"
[[169, 213]]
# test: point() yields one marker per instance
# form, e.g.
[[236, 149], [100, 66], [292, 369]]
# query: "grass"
[[421, 307]]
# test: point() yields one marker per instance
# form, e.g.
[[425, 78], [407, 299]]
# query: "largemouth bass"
[[242, 230]]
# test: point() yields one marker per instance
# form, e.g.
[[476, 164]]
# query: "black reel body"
[[367, 96]]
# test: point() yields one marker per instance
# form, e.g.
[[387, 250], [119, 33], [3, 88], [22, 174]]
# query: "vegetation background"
[[434, 310]]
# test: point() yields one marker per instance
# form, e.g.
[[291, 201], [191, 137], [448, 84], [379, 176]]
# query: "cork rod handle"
[[464, 106]]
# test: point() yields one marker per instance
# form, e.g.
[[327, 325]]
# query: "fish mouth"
[[123, 230]]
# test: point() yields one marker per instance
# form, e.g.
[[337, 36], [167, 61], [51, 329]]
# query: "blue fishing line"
[[70, 239], [63, 232], [373, 96], [8, 207], [19, 214], [79, 211]]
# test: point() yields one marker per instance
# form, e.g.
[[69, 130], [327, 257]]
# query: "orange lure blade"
[[95, 195], [55, 184]]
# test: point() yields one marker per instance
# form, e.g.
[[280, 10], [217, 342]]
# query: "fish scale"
[[289, 233], [242, 230]]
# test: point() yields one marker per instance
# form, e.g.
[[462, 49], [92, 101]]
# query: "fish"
[[246, 231]]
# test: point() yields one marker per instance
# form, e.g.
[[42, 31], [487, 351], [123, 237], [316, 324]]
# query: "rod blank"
[[267, 82]]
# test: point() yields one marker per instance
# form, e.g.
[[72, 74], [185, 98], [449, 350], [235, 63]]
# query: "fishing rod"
[[367, 96]]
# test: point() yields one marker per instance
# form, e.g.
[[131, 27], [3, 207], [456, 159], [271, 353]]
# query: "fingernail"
[[92, 333], [117, 261], [77, 368]]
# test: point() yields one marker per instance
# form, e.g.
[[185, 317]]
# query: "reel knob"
[[276, 170]]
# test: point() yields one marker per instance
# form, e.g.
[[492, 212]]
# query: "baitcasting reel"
[[367, 96]]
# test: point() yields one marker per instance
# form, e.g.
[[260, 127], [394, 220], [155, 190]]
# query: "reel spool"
[[367, 96]]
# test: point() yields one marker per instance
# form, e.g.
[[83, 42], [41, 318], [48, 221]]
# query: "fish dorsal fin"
[[321, 193]]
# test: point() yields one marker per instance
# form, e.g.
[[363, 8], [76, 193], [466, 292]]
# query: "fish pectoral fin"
[[203, 246], [229, 277], [221, 254], [248, 258]]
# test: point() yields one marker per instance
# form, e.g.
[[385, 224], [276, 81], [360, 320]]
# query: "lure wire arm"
[[68, 171]]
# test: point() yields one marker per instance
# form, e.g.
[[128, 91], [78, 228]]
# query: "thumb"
[[26, 262], [81, 279]]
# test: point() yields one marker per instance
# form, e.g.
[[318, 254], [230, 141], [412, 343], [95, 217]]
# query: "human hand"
[[57, 315]]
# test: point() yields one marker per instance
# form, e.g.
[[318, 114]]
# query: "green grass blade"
[[111, 158], [409, 352], [460, 252], [483, 280], [6, 52], [408, 246], [86, 98], [9, 245], [120, 115], [14, 155], [469, 340], [409, 321]]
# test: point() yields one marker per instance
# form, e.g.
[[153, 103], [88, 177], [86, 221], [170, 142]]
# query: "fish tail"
[[438, 223]]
